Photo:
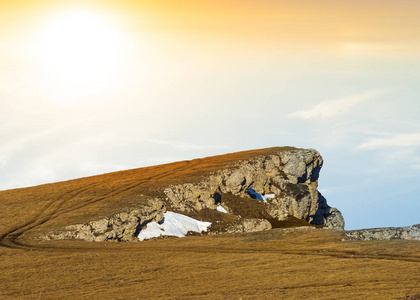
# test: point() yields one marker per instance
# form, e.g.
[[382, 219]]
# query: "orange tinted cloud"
[[255, 23], [278, 21]]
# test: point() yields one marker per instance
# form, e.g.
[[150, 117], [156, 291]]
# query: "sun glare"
[[78, 52]]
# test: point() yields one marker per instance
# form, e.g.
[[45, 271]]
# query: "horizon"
[[91, 87]]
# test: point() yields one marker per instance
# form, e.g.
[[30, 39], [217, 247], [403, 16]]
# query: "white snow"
[[258, 196], [221, 209], [268, 196], [173, 225]]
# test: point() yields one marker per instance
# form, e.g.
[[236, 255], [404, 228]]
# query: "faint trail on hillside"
[[54, 209], [118, 191], [9, 238], [324, 253]]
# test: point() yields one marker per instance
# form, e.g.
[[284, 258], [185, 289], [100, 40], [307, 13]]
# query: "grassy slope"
[[267, 265], [43, 207], [273, 264]]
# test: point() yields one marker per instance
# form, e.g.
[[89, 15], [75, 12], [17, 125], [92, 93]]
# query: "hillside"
[[194, 188], [44, 232], [275, 264]]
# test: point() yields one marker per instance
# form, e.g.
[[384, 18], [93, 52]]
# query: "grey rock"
[[249, 225], [235, 181], [386, 233], [123, 226], [291, 175], [255, 225]]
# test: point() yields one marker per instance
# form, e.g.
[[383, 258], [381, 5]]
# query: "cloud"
[[186, 146], [332, 108], [401, 151], [375, 49], [394, 141], [9, 149]]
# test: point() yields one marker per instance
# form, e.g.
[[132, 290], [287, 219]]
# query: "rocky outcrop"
[[387, 233], [328, 216], [123, 226], [286, 179], [249, 225], [292, 176]]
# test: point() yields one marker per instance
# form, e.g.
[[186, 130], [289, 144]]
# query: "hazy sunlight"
[[77, 49]]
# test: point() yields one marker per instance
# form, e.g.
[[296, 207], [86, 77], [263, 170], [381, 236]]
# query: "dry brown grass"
[[279, 264], [33, 210]]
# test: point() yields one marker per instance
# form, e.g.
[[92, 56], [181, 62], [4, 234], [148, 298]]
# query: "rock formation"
[[386, 233], [123, 226], [292, 176], [289, 175]]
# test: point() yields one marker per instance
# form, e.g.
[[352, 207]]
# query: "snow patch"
[[269, 196], [173, 224], [221, 209], [254, 195]]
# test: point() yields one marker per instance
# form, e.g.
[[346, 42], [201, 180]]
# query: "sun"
[[78, 52]]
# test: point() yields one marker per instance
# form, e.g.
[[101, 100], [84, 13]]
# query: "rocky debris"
[[242, 225], [292, 176], [335, 219], [387, 233], [251, 225], [123, 226]]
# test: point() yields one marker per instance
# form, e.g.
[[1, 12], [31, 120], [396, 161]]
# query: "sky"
[[89, 87]]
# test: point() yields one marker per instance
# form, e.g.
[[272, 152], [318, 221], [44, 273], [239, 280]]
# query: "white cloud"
[[396, 140], [375, 49], [332, 108], [401, 151], [9, 149], [186, 146]]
